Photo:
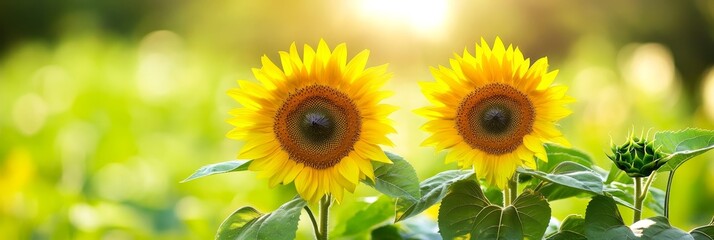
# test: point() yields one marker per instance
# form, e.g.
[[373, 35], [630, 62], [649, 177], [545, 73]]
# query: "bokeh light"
[[107, 105]]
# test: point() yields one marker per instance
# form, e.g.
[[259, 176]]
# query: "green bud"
[[637, 157]]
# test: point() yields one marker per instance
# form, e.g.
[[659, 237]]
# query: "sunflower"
[[318, 121], [494, 110]]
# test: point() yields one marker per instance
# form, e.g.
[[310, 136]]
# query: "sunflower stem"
[[638, 200], [667, 193], [506, 197], [314, 222], [324, 214], [646, 188], [513, 186]]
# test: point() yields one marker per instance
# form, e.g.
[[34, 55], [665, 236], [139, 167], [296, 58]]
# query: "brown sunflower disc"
[[494, 118], [317, 125]]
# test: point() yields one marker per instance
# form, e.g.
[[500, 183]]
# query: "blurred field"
[[106, 106]]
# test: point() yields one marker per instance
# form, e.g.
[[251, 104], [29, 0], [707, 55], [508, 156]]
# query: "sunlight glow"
[[421, 15]]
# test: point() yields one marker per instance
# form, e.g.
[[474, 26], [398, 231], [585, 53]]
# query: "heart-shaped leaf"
[[432, 191], [572, 228], [683, 145], [566, 180], [223, 167], [397, 180], [465, 210], [248, 223], [658, 228], [603, 221], [703, 232]]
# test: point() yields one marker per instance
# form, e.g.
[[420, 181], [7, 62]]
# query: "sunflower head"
[[317, 121], [494, 110]]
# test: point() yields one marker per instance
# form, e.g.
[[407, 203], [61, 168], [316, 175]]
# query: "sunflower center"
[[317, 126], [495, 118]]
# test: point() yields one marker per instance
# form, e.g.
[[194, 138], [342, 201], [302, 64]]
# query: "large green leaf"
[[703, 232], [366, 218], [572, 228], [566, 180], [247, 223], [658, 228], [223, 167], [465, 210], [397, 180], [603, 221], [432, 191], [683, 145]]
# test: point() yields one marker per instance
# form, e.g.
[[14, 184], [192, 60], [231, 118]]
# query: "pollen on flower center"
[[494, 118], [318, 126]]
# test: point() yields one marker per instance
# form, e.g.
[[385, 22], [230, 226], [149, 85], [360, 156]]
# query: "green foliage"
[[567, 179], [247, 223], [558, 154], [683, 145], [223, 167], [366, 218], [397, 180], [386, 232], [658, 228], [703, 232], [572, 228], [432, 191], [624, 193], [604, 222], [465, 210]]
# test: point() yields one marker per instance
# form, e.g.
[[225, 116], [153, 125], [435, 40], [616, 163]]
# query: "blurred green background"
[[107, 105]]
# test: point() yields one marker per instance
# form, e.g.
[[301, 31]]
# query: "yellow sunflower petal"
[[493, 110], [284, 149]]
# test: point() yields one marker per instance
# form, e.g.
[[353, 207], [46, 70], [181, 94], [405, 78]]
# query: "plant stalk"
[[314, 222], [324, 214], [667, 193], [638, 199], [513, 187]]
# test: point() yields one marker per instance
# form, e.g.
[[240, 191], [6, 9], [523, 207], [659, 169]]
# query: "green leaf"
[[386, 232], [465, 210], [223, 167], [397, 180], [703, 232], [558, 154], [625, 193], [432, 191], [603, 221], [683, 145], [494, 195], [247, 223], [366, 218], [617, 175], [658, 228], [572, 228], [241, 219], [566, 180]]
